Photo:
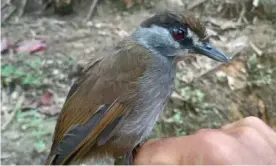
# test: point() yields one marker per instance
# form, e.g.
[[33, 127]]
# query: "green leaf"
[[7, 70], [39, 133], [253, 61], [19, 73], [34, 63], [31, 80], [23, 54], [178, 118], [22, 116], [186, 93], [200, 95], [35, 121], [69, 61], [40, 146], [180, 132]]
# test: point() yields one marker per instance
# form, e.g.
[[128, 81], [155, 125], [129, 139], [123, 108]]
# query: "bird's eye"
[[178, 34]]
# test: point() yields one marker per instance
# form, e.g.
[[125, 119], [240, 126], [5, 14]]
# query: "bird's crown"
[[171, 20]]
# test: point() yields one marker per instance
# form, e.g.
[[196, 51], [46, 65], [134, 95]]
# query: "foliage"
[[192, 95], [32, 120], [35, 71], [259, 74], [26, 72]]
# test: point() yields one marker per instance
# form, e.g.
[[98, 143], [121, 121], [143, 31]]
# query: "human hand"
[[248, 141]]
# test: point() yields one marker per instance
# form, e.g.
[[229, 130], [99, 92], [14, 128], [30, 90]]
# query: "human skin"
[[247, 141]]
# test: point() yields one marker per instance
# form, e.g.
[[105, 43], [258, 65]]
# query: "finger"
[[248, 121], [261, 150], [252, 122], [216, 147], [245, 146]]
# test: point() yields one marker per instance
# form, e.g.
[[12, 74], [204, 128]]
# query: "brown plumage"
[[104, 80]]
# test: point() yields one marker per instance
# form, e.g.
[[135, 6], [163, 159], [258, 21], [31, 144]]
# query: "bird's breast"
[[156, 86]]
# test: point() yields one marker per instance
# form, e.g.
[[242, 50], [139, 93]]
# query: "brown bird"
[[116, 101]]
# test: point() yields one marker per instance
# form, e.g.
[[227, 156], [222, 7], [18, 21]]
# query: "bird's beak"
[[212, 52]]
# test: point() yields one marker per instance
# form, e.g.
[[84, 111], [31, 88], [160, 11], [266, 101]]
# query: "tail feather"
[[73, 138]]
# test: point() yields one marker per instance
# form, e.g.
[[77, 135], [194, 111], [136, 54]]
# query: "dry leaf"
[[177, 99], [4, 45], [29, 104], [224, 24], [236, 75], [130, 3], [31, 46], [236, 113], [50, 110], [263, 113], [46, 99], [235, 84]]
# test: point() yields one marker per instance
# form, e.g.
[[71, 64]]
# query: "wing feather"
[[106, 81]]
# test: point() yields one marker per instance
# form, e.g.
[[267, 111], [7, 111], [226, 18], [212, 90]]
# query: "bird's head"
[[168, 33]]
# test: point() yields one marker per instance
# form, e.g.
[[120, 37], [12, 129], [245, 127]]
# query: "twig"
[[195, 4], [208, 71], [255, 48], [5, 156], [22, 10], [6, 17], [91, 10], [242, 13], [5, 4], [16, 108]]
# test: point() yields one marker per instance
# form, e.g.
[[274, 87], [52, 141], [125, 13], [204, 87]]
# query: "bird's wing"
[[102, 94]]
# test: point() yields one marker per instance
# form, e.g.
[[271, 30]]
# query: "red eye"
[[178, 34]]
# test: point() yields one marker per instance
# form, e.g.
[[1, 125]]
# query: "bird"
[[114, 104]]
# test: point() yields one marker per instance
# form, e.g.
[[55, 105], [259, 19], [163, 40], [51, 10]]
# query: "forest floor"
[[207, 94]]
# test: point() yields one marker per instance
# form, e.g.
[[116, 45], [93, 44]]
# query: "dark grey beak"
[[211, 52]]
